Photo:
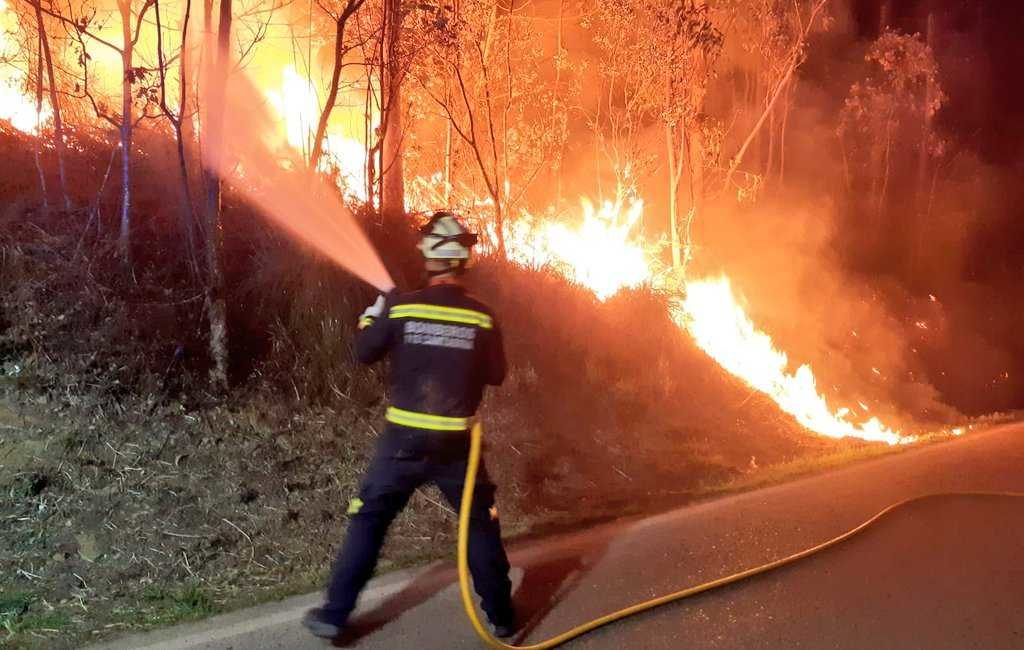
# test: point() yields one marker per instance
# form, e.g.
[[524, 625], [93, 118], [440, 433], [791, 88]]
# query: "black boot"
[[505, 627], [317, 622]]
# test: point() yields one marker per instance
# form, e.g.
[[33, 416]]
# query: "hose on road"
[[488, 638]]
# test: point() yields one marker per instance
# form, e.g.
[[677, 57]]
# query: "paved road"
[[944, 573]]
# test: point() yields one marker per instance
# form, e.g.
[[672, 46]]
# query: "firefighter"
[[445, 346]]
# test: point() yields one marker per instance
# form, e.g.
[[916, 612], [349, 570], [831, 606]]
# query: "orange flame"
[[15, 105], [604, 254], [601, 253], [720, 327], [298, 107]]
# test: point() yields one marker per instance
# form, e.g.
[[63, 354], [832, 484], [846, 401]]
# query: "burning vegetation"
[[722, 235], [469, 106]]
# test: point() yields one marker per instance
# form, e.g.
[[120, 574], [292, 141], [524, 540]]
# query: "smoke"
[[251, 150], [782, 258], [877, 304]]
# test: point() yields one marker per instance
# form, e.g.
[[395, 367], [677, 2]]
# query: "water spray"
[[268, 172]]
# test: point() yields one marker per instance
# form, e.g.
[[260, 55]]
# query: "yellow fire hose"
[[490, 640]]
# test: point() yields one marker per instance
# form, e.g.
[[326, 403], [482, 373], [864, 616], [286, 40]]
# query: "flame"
[[16, 106], [295, 101], [720, 327], [605, 254], [601, 253]]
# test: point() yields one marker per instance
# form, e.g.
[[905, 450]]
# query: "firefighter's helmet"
[[445, 237]]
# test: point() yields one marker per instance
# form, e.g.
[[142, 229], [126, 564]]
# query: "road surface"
[[942, 573]]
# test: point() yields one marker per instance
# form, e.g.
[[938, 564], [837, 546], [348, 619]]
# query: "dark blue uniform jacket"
[[444, 346]]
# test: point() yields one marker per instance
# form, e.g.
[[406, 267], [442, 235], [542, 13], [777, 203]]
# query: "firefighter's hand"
[[375, 310]]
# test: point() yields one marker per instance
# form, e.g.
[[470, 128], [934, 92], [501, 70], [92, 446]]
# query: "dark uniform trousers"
[[394, 474]]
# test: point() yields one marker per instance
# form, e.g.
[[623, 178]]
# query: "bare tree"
[[393, 68], [129, 38], [217, 64], [39, 135], [658, 57], [58, 125], [384, 56], [627, 73], [777, 85], [927, 152], [690, 44], [177, 121], [480, 68], [341, 48], [131, 29]]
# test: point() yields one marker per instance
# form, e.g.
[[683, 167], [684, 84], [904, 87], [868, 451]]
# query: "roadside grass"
[[20, 618], [159, 605], [523, 530], [763, 477], [801, 467]]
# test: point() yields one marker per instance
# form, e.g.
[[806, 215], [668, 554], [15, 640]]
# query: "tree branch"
[[794, 63]]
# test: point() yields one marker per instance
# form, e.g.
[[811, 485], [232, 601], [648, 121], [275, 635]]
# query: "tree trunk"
[[506, 181], [392, 185], [919, 223], [787, 104], [557, 106], [695, 157], [185, 197], [127, 122], [926, 122], [39, 131], [673, 191], [215, 301], [368, 137], [846, 164], [332, 93], [448, 150], [184, 190], [883, 195], [499, 227], [58, 124], [186, 104]]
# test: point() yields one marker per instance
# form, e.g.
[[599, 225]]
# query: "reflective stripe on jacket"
[[444, 346]]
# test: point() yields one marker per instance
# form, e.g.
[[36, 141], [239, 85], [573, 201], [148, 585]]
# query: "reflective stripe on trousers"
[[417, 420]]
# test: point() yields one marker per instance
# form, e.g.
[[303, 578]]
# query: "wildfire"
[[720, 327], [296, 103], [15, 106], [602, 250], [604, 254]]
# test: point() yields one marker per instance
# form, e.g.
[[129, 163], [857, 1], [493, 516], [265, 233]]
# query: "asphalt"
[[941, 573]]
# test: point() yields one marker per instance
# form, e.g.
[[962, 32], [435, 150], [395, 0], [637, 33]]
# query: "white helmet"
[[446, 238]]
